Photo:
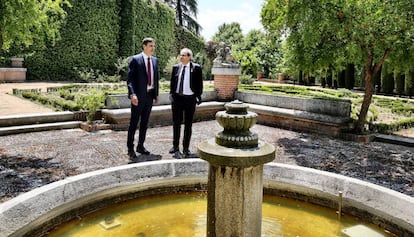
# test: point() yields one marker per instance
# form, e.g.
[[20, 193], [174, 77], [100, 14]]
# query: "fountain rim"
[[29, 209]]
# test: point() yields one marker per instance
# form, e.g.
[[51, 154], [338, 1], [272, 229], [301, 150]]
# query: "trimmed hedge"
[[89, 39], [97, 32]]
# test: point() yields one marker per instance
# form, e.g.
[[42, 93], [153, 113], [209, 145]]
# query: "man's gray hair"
[[187, 52]]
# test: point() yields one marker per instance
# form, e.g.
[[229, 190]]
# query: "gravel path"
[[31, 160]]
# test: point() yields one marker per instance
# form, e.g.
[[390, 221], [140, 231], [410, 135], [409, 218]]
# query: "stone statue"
[[224, 57]]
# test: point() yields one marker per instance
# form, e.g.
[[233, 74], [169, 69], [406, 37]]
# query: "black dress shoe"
[[177, 155], [142, 150], [186, 153], [173, 150], [132, 155]]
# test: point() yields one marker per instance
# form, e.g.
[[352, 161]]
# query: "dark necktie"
[[180, 90], [149, 71]]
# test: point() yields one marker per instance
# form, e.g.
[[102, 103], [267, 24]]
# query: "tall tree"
[[230, 34], [362, 31], [23, 22], [184, 12], [258, 52]]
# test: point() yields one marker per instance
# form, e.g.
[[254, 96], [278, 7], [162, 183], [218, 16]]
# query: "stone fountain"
[[235, 178]]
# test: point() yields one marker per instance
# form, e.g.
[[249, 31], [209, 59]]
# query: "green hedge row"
[[97, 33], [89, 39]]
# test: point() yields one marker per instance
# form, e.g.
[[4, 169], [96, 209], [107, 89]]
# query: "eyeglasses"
[[182, 55]]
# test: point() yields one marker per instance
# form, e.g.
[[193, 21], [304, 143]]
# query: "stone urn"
[[236, 121]]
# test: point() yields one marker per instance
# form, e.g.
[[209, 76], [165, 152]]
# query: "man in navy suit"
[[143, 87], [186, 87]]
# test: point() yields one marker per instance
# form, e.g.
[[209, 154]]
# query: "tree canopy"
[[184, 12], [229, 33], [23, 22], [320, 34]]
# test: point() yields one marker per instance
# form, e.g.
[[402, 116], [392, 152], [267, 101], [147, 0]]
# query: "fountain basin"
[[39, 210]]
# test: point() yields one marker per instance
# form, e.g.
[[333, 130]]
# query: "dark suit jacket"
[[196, 78], [137, 76]]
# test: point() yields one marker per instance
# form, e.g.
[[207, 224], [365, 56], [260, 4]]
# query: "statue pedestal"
[[226, 80]]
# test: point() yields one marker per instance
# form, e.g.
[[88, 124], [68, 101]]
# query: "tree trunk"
[[370, 72], [369, 89], [180, 13]]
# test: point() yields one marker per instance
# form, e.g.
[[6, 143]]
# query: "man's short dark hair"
[[145, 41]]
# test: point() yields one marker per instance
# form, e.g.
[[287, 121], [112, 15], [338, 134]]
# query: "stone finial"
[[236, 121]]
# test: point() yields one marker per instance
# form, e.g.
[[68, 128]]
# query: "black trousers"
[[182, 107], [141, 113]]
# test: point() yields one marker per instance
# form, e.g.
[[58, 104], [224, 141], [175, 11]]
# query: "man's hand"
[[198, 99], [155, 101], [134, 100]]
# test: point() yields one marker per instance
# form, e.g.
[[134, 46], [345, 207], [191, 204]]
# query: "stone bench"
[[118, 111], [122, 101], [330, 117], [161, 115], [322, 116]]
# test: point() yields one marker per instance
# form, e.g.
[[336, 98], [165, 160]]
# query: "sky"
[[212, 13]]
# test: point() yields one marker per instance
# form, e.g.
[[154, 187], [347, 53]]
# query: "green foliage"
[[127, 37], [324, 34], [391, 127], [89, 39], [230, 34], [398, 112], [248, 61], [246, 79], [398, 106], [65, 94], [184, 12], [187, 39], [169, 65], [97, 34], [57, 103], [122, 67], [156, 21], [257, 53], [24, 22], [92, 102]]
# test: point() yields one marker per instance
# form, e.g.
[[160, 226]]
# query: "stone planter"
[[13, 74], [17, 62]]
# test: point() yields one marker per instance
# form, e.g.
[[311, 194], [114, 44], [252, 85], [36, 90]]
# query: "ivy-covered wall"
[[98, 32], [89, 39], [157, 21], [186, 39]]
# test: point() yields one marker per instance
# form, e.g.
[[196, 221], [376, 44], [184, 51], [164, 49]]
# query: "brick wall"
[[225, 86]]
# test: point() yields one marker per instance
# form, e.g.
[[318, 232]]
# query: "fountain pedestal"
[[235, 179]]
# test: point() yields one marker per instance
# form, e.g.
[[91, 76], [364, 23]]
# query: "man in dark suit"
[[186, 87], [143, 87]]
